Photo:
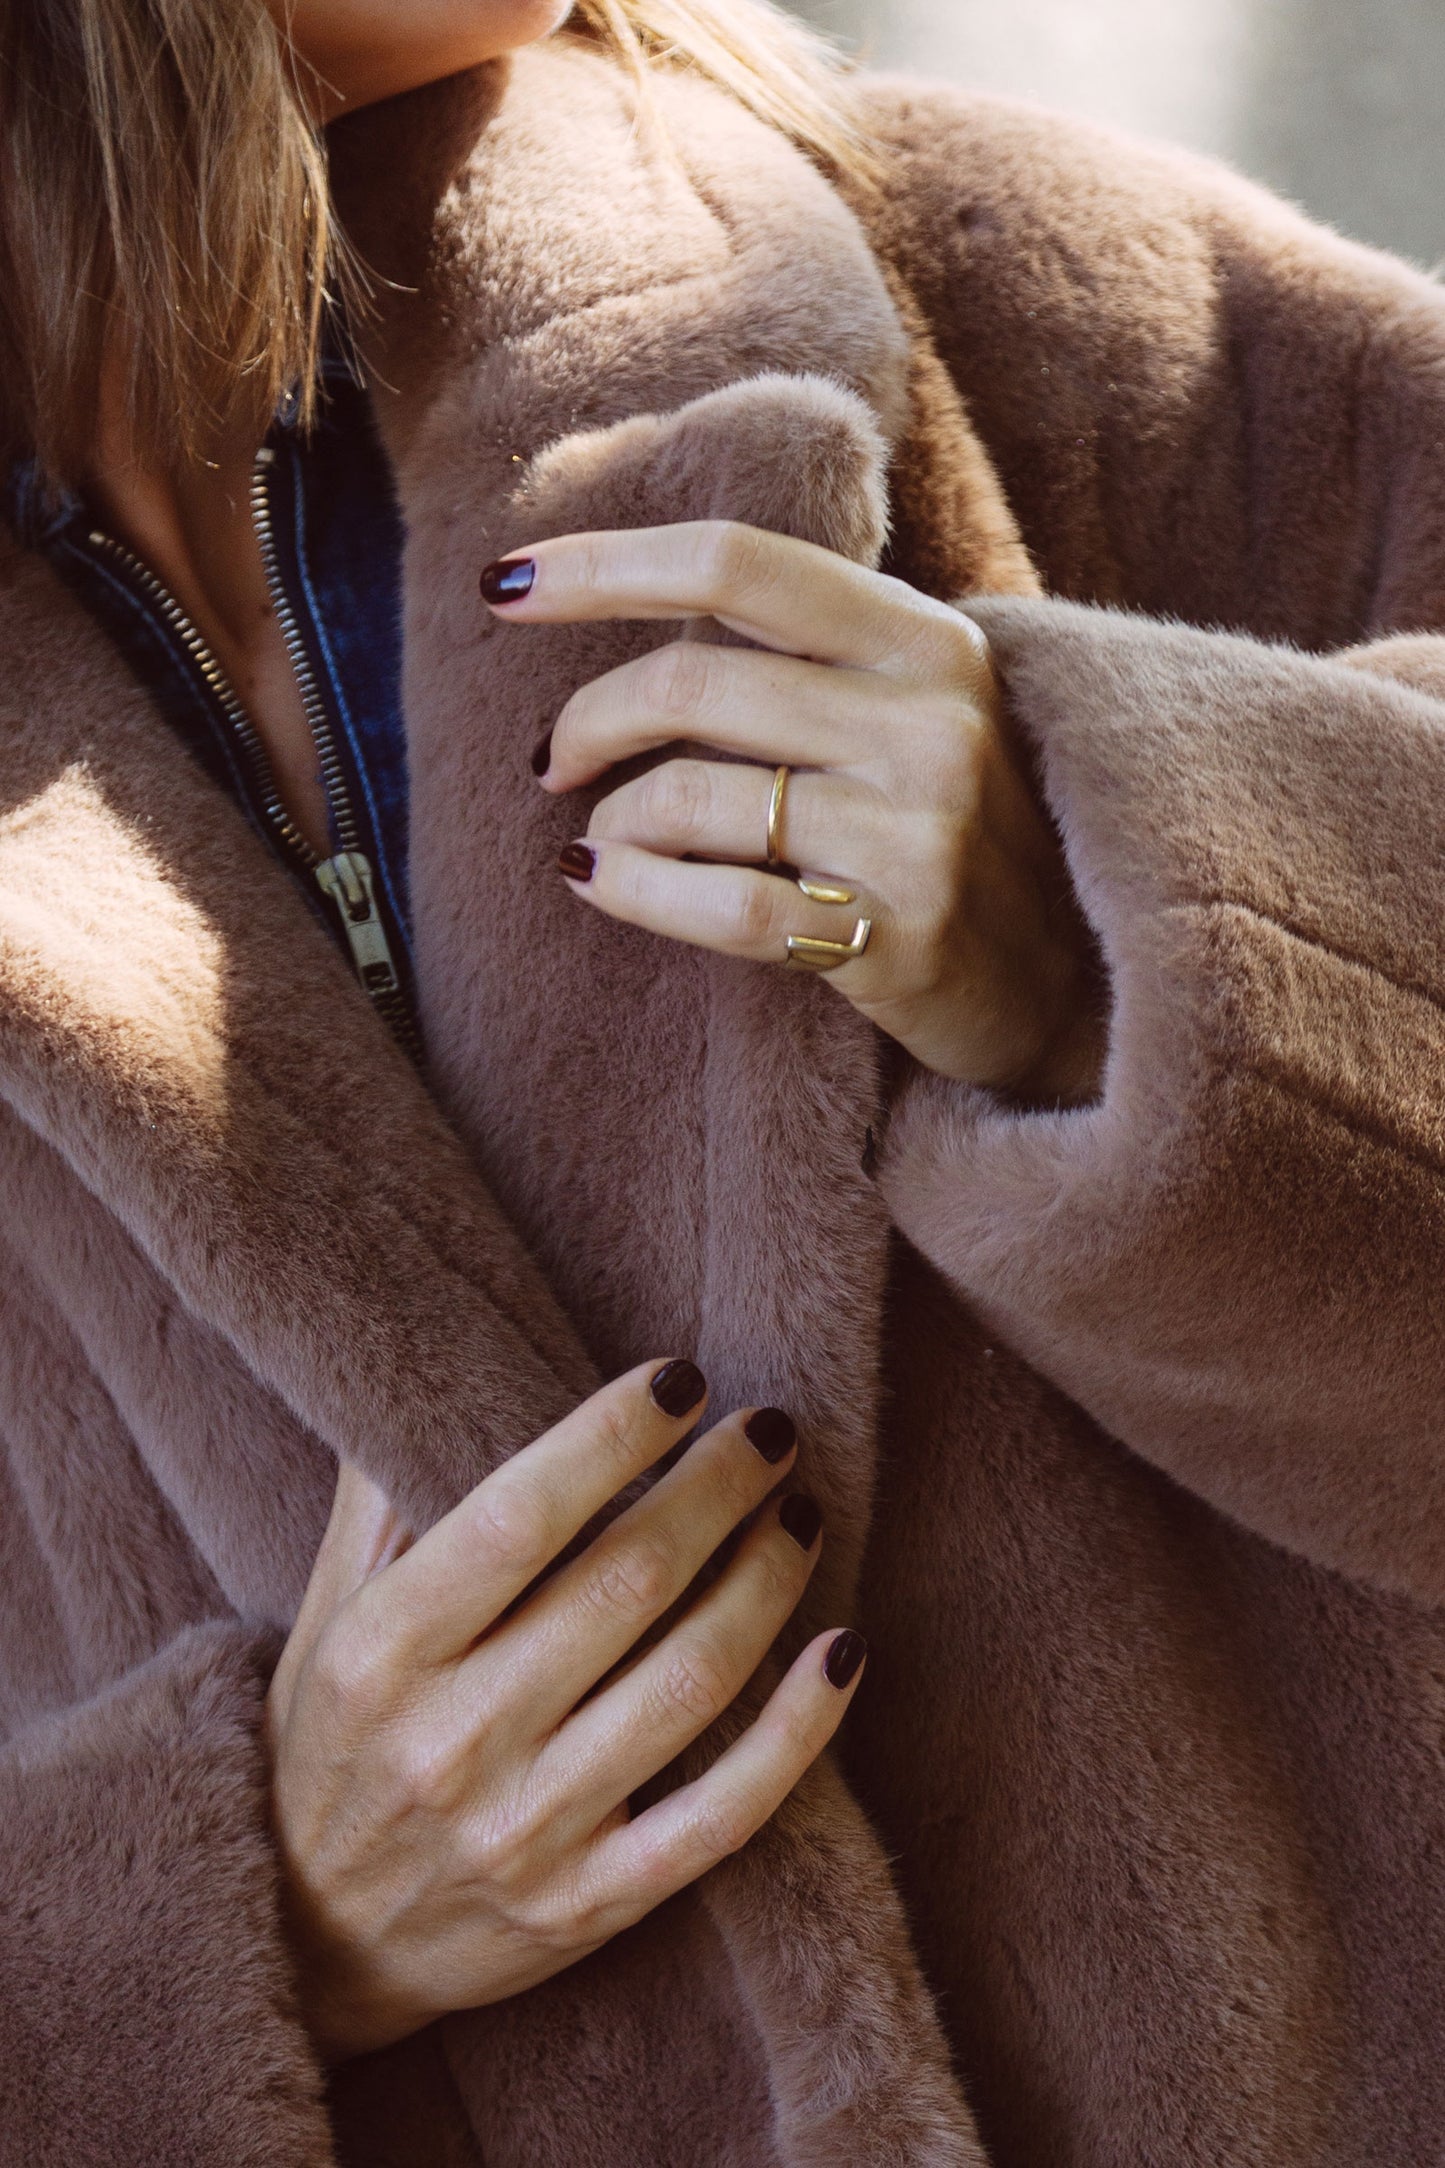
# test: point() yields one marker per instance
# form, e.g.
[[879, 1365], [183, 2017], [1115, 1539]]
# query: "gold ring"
[[806, 954], [824, 892], [775, 816]]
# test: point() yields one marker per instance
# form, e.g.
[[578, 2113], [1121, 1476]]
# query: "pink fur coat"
[[1128, 1421]]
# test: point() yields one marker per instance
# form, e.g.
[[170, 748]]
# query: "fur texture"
[[1123, 1418]]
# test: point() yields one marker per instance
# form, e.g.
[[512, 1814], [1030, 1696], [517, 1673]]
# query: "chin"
[[524, 22]]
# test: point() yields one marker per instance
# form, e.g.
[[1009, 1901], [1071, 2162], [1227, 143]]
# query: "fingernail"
[[802, 1516], [772, 1432], [577, 862], [844, 1659], [542, 758], [509, 580], [678, 1388]]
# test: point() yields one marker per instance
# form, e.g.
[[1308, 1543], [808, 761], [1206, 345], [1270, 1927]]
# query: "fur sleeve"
[[1199, 403], [146, 2014], [1233, 1256]]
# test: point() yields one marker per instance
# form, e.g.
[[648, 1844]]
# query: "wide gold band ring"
[[807, 954]]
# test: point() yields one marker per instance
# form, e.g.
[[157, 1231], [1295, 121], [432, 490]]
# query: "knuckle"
[[676, 680], [948, 642], [734, 557], [505, 1848], [613, 1429], [721, 1827], [784, 1569], [637, 1579], [424, 1770], [678, 798], [693, 1683], [512, 1525], [751, 921], [568, 1920], [801, 1738], [353, 1667]]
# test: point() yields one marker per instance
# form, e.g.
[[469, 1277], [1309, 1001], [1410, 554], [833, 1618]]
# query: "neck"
[[191, 525]]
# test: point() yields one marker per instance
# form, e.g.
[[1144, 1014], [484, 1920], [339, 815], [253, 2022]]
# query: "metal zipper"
[[219, 686], [345, 878]]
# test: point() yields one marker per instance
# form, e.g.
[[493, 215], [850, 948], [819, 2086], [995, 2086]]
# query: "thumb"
[[362, 1538]]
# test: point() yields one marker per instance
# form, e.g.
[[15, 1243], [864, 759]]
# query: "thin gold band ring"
[[775, 816]]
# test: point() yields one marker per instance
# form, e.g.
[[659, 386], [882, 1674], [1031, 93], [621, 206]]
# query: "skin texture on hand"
[[905, 792], [455, 1738]]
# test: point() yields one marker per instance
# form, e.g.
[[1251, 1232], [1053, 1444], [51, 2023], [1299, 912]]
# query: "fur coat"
[[1128, 1419]]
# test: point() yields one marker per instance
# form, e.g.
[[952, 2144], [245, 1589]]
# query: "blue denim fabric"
[[338, 534]]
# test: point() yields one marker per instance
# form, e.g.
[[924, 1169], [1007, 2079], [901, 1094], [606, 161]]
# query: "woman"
[[1076, 1195]]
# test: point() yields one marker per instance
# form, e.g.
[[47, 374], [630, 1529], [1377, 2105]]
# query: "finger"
[[732, 909], [432, 1604], [582, 1624], [786, 594], [641, 1863], [718, 809], [745, 701], [619, 1740], [363, 1535]]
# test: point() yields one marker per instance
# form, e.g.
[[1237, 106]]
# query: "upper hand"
[[906, 795], [454, 1743]]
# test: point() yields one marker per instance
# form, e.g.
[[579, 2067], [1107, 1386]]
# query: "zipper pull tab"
[[347, 880]]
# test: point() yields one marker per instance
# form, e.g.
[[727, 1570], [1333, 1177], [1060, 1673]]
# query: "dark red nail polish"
[[802, 1517], [844, 1659], [542, 758], [577, 862], [772, 1432], [511, 579], [678, 1388]]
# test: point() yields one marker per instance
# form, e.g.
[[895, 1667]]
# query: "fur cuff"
[[146, 2008], [1233, 1257]]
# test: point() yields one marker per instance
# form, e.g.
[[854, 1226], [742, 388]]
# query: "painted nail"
[[773, 1433], [509, 580], [802, 1517], [542, 758], [844, 1659], [678, 1388], [577, 862]]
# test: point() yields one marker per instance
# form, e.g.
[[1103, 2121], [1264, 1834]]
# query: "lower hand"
[[906, 799], [450, 1786]]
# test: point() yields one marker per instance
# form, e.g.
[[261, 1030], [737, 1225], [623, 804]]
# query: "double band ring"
[[815, 891], [807, 954]]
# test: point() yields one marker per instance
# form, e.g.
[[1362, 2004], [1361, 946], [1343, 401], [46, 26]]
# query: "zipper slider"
[[347, 880]]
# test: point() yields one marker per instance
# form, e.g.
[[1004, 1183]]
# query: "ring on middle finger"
[[775, 815]]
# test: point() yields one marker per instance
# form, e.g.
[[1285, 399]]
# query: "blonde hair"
[[158, 170]]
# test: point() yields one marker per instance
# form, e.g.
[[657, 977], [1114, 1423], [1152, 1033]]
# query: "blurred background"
[[1339, 104]]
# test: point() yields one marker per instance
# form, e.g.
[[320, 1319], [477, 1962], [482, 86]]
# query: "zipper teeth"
[[333, 775], [394, 1008], [203, 656]]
